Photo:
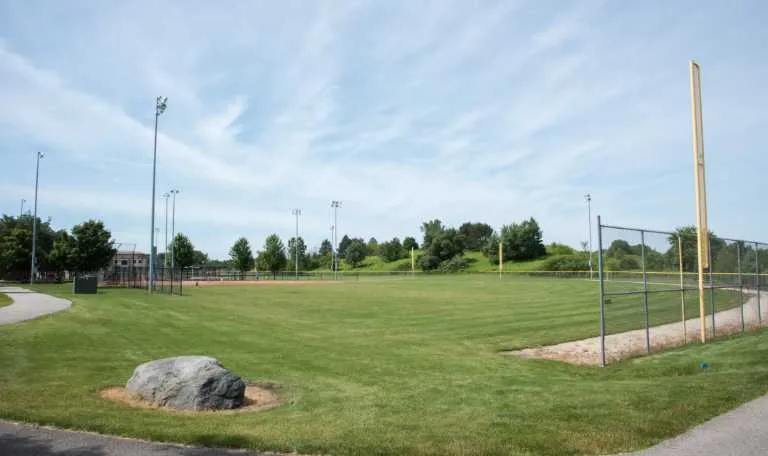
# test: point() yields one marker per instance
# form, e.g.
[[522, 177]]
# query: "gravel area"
[[632, 343]]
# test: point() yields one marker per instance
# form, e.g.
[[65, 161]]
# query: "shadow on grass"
[[218, 441]]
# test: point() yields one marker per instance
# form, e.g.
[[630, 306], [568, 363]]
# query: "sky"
[[405, 111]]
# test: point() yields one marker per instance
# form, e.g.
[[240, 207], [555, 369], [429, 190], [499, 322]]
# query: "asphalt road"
[[28, 305], [740, 432]]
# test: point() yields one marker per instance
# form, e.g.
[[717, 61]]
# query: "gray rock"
[[187, 383]]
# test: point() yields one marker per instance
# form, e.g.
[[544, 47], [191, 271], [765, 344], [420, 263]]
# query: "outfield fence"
[[649, 291]]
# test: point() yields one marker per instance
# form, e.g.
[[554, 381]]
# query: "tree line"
[[89, 247], [86, 247], [442, 248]]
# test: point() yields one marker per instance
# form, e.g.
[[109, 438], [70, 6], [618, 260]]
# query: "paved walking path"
[[28, 305], [27, 440], [740, 432]]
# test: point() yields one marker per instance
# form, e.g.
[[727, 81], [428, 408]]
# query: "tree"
[[241, 255], [410, 243], [492, 249], [200, 258], [619, 245], [443, 247], [220, 264], [62, 253], [391, 251], [689, 238], [522, 241], [302, 248], [16, 246], [183, 251], [561, 249], [273, 258], [342, 247], [356, 252], [15, 253], [325, 248], [431, 229], [476, 235], [373, 246], [93, 246]]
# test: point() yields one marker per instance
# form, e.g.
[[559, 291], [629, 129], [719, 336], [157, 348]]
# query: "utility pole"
[[588, 199], [166, 195], [174, 192], [335, 205], [297, 213], [34, 223]]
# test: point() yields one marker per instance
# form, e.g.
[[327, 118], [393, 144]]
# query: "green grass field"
[[4, 300], [395, 366]]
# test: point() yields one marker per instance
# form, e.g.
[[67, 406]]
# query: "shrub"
[[455, 264], [560, 249], [404, 266], [566, 263]]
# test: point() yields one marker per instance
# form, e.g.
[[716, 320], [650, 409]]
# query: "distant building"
[[128, 259]]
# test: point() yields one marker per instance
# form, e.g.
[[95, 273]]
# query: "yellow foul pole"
[[501, 260], [701, 191]]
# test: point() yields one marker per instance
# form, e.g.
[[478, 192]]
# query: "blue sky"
[[487, 111]]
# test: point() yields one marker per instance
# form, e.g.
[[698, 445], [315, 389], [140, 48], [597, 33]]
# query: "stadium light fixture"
[[161, 103], [33, 267]]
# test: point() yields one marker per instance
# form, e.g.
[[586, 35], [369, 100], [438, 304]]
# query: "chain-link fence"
[[649, 289]]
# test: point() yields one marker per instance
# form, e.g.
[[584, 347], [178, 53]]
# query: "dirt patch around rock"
[[225, 283], [257, 399]]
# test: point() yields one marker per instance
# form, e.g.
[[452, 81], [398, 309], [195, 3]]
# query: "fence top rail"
[[743, 241], [672, 233], [627, 228]]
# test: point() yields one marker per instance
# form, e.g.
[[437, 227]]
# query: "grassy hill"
[[479, 263]]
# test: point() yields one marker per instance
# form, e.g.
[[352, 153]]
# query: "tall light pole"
[[335, 205], [588, 199], [21, 212], [297, 213], [166, 195], [33, 268], [160, 104], [174, 192]]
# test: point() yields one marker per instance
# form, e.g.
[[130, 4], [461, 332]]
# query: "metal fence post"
[[602, 289], [741, 284], [682, 286], [757, 283], [645, 293], [711, 287]]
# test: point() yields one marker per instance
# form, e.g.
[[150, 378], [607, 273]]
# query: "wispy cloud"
[[406, 111]]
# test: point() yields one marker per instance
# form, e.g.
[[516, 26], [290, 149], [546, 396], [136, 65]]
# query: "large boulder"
[[187, 383]]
